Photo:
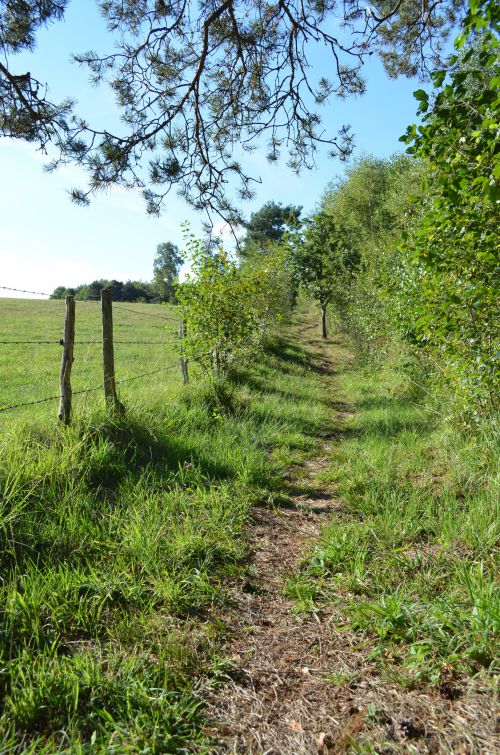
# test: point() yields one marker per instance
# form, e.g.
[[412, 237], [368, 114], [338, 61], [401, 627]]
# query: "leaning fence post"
[[64, 413], [108, 356], [184, 361]]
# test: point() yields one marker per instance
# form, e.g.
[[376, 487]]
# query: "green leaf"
[[438, 77], [421, 95]]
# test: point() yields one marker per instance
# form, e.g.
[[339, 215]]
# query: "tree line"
[[166, 266], [406, 250]]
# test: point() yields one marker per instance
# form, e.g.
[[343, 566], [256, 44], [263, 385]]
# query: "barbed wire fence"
[[107, 341]]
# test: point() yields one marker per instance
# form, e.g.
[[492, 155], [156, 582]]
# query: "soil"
[[304, 683]]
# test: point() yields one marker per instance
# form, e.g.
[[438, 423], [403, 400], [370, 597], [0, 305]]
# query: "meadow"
[[29, 372]]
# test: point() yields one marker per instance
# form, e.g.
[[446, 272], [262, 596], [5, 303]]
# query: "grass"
[[118, 535], [411, 558], [29, 372]]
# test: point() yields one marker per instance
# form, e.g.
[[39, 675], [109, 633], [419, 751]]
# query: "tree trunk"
[[323, 321]]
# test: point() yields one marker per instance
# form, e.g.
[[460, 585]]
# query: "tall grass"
[[411, 560], [117, 535]]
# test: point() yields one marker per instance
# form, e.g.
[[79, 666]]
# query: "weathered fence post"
[[108, 356], [64, 413], [184, 361]]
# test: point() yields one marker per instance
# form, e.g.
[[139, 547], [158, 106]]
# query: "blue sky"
[[47, 241]]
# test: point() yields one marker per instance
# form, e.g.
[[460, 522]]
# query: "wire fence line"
[[60, 342], [99, 387], [24, 291], [88, 390], [69, 343]]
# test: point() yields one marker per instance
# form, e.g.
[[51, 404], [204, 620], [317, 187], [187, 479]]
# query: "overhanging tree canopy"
[[198, 82]]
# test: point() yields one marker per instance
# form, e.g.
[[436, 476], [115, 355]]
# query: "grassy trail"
[[279, 700], [368, 621], [299, 560]]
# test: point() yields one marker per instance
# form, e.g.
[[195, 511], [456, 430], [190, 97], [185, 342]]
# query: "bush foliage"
[[228, 309], [422, 231]]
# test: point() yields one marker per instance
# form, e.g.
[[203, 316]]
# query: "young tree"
[[227, 309], [193, 80], [166, 267], [320, 261]]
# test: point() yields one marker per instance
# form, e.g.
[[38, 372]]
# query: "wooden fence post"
[[108, 356], [64, 413], [184, 361]]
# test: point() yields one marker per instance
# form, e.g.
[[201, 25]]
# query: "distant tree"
[[58, 293], [129, 291], [323, 260], [61, 292], [116, 289], [268, 226], [166, 268], [93, 292], [137, 290]]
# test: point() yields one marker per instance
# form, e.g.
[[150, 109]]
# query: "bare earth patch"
[[303, 684]]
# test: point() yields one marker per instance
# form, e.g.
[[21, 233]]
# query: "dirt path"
[[303, 683], [279, 700]]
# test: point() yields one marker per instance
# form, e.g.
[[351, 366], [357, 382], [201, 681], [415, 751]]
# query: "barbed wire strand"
[[145, 314], [23, 291], [89, 390], [49, 398], [34, 343], [60, 342]]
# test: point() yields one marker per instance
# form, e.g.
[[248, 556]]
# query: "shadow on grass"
[[189, 445], [137, 448], [286, 352]]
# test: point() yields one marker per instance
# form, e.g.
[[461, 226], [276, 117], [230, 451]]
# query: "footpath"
[[300, 682]]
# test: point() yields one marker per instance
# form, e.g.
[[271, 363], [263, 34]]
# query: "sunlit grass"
[[117, 535], [412, 559]]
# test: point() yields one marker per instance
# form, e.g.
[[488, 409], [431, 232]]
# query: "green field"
[[29, 372]]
